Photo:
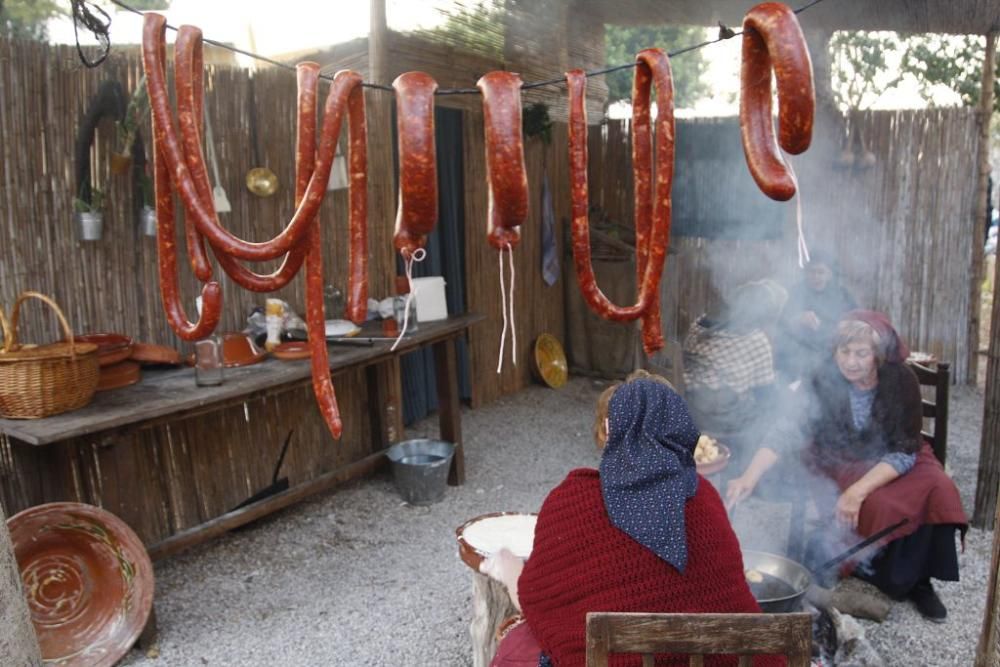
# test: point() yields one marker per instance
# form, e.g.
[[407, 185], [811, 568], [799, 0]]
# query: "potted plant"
[[128, 126], [90, 214]]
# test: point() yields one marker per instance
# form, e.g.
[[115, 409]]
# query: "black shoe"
[[928, 603]]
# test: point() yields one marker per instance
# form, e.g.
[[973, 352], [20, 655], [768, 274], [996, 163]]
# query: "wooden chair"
[[697, 635], [938, 377]]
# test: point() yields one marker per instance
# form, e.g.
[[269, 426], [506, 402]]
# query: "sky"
[[300, 24]]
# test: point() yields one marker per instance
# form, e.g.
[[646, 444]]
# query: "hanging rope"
[[98, 27], [408, 261]]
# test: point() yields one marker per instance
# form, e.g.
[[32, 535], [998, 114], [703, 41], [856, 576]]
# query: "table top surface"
[[163, 392]]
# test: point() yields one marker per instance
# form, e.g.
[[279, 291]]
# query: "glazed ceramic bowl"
[[718, 464], [292, 351], [122, 374], [147, 353], [88, 582]]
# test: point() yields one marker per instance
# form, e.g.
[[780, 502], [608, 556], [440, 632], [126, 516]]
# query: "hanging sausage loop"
[[418, 255]]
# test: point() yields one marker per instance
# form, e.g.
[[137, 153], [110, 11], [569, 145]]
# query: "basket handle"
[[10, 341]]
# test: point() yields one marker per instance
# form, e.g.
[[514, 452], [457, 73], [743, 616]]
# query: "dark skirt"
[[928, 553]]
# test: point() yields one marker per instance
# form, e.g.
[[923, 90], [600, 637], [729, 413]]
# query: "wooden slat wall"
[[539, 308], [901, 228]]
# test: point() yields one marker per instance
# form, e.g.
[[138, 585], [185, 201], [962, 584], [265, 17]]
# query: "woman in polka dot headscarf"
[[644, 533]]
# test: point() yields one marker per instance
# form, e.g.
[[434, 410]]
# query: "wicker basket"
[[39, 381]]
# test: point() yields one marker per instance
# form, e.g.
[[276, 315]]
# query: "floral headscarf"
[[647, 470]]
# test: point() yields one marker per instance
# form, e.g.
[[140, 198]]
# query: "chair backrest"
[[938, 377], [697, 635]]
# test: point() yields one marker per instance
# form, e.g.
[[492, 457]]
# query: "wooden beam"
[[979, 224]]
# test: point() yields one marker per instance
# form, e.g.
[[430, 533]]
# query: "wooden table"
[[75, 444]]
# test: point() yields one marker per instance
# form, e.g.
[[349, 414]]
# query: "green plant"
[[95, 205], [138, 106], [148, 191]]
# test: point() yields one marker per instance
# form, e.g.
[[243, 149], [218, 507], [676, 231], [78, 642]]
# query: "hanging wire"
[[724, 34], [98, 27]]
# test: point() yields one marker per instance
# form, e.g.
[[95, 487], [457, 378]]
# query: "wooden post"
[[986, 653], [988, 478], [979, 224], [18, 643]]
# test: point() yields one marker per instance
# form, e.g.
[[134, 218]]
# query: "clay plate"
[[111, 347], [238, 349], [88, 582], [119, 375], [717, 464], [147, 353], [469, 554], [292, 350]]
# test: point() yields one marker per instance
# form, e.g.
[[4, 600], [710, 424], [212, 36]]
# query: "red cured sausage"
[[652, 219], [204, 216], [418, 195], [772, 39], [505, 170], [357, 168], [211, 293], [190, 112]]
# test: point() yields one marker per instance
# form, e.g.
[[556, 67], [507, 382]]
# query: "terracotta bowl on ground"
[[111, 347], [238, 349], [88, 582], [473, 554], [119, 375]]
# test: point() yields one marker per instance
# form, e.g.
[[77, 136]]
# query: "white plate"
[[340, 328]]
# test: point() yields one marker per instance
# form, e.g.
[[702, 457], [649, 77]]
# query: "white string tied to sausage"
[[504, 308], [802, 246], [408, 260]]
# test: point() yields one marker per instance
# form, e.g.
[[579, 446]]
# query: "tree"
[[622, 43], [26, 18], [955, 62], [859, 68], [149, 5]]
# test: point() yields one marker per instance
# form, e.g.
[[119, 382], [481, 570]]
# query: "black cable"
[[724, 34], [97, 26]]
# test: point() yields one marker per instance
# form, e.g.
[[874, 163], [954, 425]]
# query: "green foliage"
[[26, 18], [96, 203], [621, 43], [473, 29], [860, 71], [956, 62], [138, 106], [536, 122], [865, 66]]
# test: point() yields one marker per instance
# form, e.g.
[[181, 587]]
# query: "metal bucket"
[[90, 224], [420, 469]]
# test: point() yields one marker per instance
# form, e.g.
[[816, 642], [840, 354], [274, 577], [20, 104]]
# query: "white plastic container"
[[429, 294]]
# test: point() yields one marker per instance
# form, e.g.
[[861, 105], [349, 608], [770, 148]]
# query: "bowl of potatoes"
[[710, 455]]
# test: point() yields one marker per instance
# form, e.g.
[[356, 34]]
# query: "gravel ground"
[[355, 577]]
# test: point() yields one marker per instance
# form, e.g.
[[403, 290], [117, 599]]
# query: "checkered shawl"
[[715, 358]]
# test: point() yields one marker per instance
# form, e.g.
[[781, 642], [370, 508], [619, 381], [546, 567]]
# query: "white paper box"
[[429, 295]]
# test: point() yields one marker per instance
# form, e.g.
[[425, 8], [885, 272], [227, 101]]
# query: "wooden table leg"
[[449, 406]]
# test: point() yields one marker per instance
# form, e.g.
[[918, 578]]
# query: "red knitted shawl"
[[580, 562]]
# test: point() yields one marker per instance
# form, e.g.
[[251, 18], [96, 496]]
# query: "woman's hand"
[[506, 568], [738, 490], [809, 320], [849, 507]]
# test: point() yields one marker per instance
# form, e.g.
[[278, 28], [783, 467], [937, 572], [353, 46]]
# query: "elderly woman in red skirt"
[[644, 533], [862, 415]]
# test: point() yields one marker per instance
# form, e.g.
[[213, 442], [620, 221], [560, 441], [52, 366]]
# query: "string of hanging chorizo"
[[652, 202]]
